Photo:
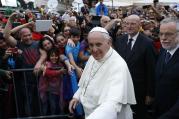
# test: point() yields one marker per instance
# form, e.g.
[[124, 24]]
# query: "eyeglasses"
[[167, 34]]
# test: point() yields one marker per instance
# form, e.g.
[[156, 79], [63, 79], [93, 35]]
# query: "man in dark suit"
[[139, 53], [167, 75]]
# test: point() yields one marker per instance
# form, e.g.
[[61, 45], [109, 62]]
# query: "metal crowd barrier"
[[47, 117], [29, 109]]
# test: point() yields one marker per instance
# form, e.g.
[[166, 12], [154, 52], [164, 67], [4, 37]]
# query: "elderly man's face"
[[132, 26], [98, 45], [104, 21], [26, 36], [168, 35]]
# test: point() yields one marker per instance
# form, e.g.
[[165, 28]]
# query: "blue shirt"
[[103, 8], [74, 50]]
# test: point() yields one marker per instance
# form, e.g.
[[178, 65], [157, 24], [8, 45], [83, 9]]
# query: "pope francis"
[[105, 88]]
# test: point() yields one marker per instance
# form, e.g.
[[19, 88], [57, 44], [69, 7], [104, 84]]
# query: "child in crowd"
[[84, 52], [72, 54], [50, 84]]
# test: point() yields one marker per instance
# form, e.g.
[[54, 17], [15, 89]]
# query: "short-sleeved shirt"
[[30, 54], [74, 50]]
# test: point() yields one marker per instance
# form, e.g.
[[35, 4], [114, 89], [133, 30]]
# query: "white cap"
[[99, 29]]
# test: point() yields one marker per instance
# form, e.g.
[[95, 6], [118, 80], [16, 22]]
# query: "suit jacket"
[[167, 86], [141, 63]]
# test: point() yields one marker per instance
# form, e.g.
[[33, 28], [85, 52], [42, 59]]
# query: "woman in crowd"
[[66, 31], [61, 42]]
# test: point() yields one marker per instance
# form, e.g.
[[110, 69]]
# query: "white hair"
[[171, 19]]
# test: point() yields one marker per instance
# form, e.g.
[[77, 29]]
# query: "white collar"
[[172, 51], [134, 37]]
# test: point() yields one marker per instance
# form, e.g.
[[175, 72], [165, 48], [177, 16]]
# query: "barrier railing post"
[[27, 102], [15, 96], [40, 107]]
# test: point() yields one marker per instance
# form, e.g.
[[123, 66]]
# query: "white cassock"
[[106, 89]]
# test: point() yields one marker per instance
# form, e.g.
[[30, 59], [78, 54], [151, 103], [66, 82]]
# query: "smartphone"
[[14, 50]]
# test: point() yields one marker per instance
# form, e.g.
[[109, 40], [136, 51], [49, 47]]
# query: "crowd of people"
[[125, 61]]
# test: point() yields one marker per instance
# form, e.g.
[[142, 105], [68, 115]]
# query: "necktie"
[[129, 47], [129, 44], [167, 57]]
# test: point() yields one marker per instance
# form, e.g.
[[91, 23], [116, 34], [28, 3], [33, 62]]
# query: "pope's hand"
[[73, 104]]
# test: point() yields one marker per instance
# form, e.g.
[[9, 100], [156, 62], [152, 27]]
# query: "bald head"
[[134, 17], [104, 21], [133, 25], [23, 30], [26, 36]]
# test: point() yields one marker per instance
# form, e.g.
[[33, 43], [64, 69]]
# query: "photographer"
[[10, 58], [30, 56]]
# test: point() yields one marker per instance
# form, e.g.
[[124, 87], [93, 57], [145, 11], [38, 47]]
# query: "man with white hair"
[[105, 88], [167, 76]]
